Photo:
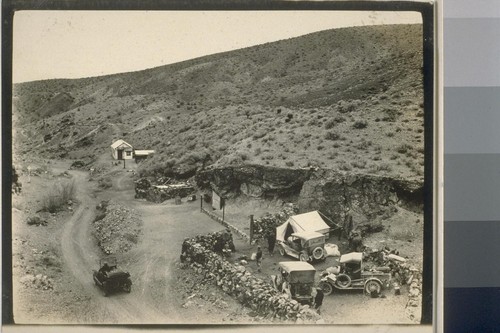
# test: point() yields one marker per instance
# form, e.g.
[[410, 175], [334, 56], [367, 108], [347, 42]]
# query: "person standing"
[[258, 258], [318, 300]]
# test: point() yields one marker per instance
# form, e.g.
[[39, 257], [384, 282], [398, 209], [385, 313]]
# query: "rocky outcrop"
[[254, 180], [337, 195]]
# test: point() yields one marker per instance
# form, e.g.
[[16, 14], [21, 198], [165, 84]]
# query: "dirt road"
[[149, 263]]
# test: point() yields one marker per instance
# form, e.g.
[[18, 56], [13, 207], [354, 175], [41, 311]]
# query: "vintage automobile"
[[295, 278], [305, 246], [110, 279], [352, 275]]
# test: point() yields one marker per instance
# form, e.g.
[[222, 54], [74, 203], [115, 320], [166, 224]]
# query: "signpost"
[[218, 203], [251, 229]]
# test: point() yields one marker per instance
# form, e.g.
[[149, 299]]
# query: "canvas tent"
[[310, 221]]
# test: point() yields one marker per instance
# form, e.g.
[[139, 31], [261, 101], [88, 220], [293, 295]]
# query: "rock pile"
[[38, 281], [116, 228], [414, 294], [236, 281], [267, 224], [144, 189], [160, 193], [402, 273], [142, 186]]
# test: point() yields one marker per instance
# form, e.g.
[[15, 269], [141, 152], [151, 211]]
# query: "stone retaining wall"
[[249, 290]]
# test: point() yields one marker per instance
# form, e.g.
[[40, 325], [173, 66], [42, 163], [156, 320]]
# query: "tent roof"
[[308, 234], [309, 221], [120, 142], [296, 266]]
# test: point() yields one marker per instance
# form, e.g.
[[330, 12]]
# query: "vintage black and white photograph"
[[217, 167]]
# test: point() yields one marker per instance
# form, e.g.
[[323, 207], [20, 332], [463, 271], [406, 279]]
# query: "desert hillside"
[[347, 99]]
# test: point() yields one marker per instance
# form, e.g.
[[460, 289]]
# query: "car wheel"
[[318, 253], [282, 251], [373, 287], [303, 257], [343, 281], [326, 287]]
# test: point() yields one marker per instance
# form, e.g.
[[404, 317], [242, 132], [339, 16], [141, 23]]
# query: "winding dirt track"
[[149, 262]]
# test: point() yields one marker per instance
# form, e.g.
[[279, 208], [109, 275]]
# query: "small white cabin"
[[121, 150]]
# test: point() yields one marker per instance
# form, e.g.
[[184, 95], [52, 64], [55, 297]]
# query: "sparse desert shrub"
[[345, 107], [36, 220], [243, 156], [343, 165], [104, 183], [363, 144], [268, 157], [257, 151], [385, 167], [259, 134], [57, 196], [207, 124], [359, 124], [360, 164], [330, 124], [289, 164], [194, 157], [403, 149], [339, 119], [332, 136], [184, 129], [313, 122]]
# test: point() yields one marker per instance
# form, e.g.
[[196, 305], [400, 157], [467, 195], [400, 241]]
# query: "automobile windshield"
[[302, 276]]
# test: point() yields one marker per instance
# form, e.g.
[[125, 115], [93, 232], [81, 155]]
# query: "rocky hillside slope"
[[347, 99]]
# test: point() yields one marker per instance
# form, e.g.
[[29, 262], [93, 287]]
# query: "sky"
[[76, 44]]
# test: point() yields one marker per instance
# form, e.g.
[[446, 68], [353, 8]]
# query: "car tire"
[[343, 281], [303, 257], [326, 288], [373, 288], [282, 251], [318, 253]]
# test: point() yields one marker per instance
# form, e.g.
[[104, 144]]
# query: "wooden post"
[[201, 202], [124, 163], [251, 229], [223, 208]]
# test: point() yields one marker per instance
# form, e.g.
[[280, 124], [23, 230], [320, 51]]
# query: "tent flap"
[[310, 221]]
